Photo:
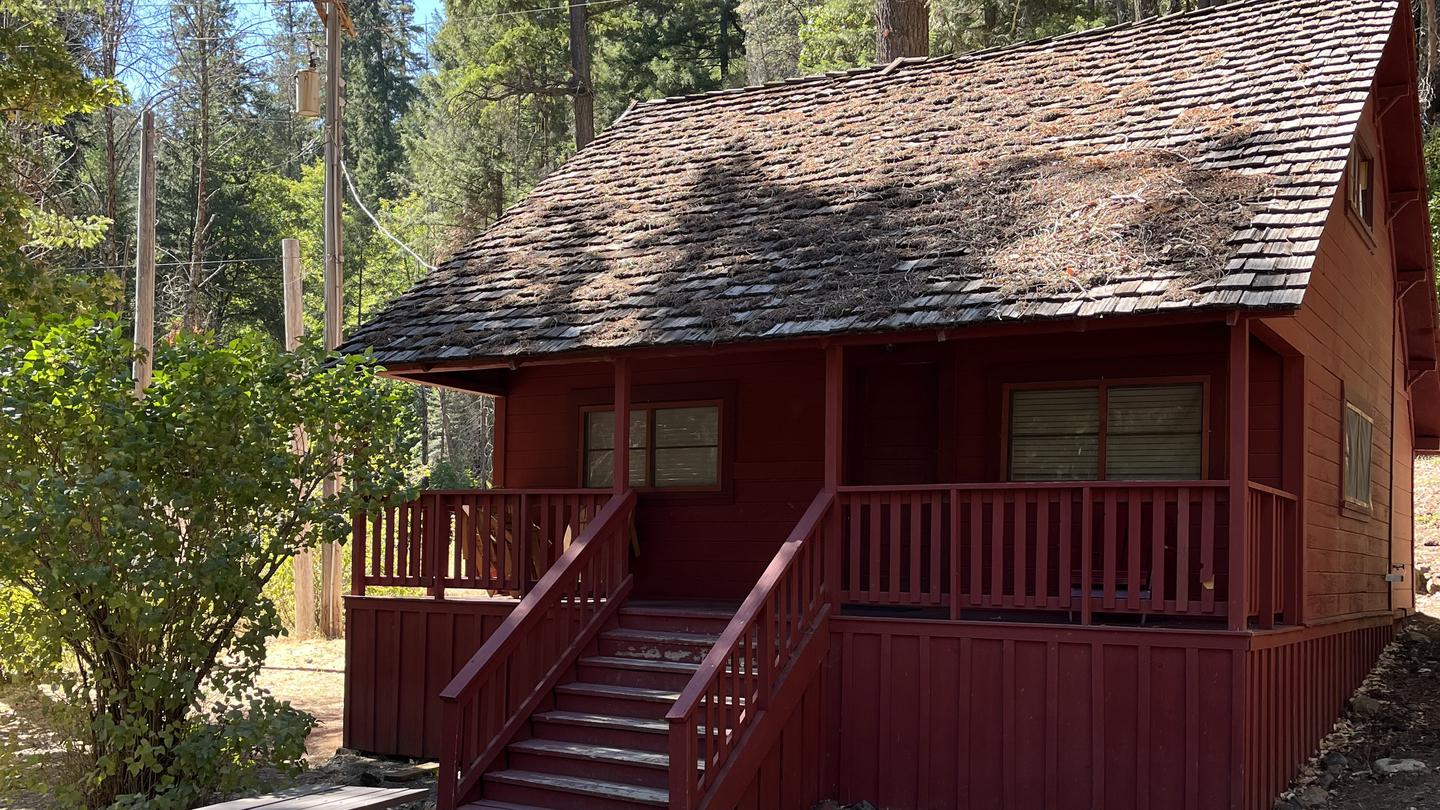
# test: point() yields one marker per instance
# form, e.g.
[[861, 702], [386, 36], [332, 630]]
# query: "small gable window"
[[1117, 432], [1355, 460], [671, 447], [1360, 185]]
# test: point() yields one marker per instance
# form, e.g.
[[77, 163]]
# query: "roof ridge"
[[894, 67]]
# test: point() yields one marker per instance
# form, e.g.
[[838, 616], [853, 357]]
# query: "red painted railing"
[[1152, 548], [726, 701], [495, 693], [1272, 554], [499, 540]]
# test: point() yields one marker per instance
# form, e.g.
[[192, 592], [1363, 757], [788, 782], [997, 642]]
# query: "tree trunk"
[[580, 87], [902, 28], [1146, 8], [192, 316], [1431, 74]]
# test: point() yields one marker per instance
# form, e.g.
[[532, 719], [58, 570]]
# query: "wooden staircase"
[[599, 742]]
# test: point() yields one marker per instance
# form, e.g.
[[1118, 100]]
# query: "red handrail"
[[498, 689], [784, 613]]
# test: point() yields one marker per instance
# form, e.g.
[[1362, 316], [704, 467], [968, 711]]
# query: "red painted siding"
[[798, 770], [399, 654], [702, 544], [940, 715], [1296, 683], [1346, 330]]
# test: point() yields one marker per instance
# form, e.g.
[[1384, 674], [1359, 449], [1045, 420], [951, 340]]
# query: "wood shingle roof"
[[1188, 161]]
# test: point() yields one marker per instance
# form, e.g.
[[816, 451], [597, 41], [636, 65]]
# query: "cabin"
[[1031, 428]]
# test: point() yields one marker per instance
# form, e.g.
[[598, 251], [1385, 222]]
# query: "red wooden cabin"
[[1031, 428]]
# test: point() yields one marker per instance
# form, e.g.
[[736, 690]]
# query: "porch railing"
[[497, 690], [767, 653], [1115, 547], [1272, 553], [498, 540]]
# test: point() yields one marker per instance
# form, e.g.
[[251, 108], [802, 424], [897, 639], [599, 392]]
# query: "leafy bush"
[[146, 528]]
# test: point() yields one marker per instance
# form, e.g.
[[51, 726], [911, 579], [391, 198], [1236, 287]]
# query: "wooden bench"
[[327, 797]]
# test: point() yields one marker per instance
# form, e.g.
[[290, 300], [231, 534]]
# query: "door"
[[893, 423]]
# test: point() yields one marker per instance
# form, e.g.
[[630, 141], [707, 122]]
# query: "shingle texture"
[[1185, 162]]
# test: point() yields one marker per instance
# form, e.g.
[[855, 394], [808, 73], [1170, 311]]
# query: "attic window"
[[1360, 185]]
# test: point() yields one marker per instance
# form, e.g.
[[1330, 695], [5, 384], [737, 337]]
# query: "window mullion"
[[1103, 438]]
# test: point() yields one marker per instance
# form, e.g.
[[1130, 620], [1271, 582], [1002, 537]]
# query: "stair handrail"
[[774, 626], [526, 656]]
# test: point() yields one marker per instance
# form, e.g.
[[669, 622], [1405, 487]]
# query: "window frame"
[[1349, 505], [1361, 154], [1103, 384], [650, 407]]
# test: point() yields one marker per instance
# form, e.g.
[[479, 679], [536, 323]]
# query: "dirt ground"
[[311, 676]]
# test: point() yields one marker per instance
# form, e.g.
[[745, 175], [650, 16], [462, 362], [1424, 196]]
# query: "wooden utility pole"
[[902, 28], [304, 563], [335, 16], [580, 87], [145, 257]]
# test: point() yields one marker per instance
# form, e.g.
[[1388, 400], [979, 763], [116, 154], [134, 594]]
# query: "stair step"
[[643, 725], [657, 645], [676, 618], [630, 766], [595, 753], [567, 792], [604, 698], [487, 804], [639, 672]]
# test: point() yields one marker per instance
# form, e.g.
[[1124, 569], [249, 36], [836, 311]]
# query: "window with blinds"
[[1355, 461], [1148, 432], [670, 447]]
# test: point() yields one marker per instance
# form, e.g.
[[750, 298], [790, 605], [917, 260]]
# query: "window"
[[1359, 429], [1360, 184], [1107, 431], [671, 447]]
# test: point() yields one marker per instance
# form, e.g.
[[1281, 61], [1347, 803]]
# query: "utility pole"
[[583, 92], [304, 563], [145, 257], [335, 15]]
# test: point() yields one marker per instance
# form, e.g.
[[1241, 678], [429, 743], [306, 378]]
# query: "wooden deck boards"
[[327, 797]]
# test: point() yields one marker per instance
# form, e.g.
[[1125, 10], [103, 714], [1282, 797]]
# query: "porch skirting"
[[944, 715]]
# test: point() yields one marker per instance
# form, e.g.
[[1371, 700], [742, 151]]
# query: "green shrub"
[[145, 530]]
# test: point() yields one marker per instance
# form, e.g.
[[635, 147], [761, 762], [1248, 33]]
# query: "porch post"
[[1238, 464], [621, 481], [834, 402], [834, 442]]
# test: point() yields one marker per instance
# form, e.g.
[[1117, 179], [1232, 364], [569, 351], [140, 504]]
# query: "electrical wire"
[[355, 195]]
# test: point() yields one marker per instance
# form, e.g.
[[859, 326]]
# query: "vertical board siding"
[[795, 773], [399, 654], [1034, 716], [1297, 683]]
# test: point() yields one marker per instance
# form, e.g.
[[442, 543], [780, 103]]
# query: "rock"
[[1390, 766], [1366, 707], [827, 804], [1312, 796], [860, 805], [371, 779], [1336, 761]]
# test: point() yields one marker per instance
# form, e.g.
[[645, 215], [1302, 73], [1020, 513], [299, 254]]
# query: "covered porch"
[[942, 508]]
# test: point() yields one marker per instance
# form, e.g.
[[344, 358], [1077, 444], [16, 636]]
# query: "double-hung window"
[[1110, 431], [671, 446]]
